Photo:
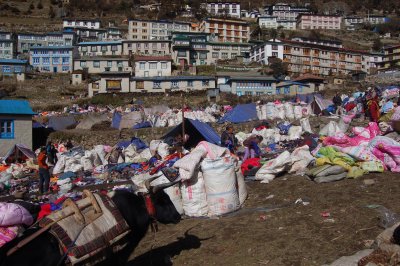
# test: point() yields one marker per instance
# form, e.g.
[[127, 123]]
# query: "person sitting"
[[228, 139], [337, 101], [251, 147]]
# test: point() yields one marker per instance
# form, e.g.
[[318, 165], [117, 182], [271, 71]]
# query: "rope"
[[70, 246]]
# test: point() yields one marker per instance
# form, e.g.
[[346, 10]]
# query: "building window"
[[6, 129], [83, 64], [174, 84], [46, 60], [215, 55], [224, 55], [93, 49], [36, 61], [163, 65], [65, 68], [153, 65], [114, 48], [182, 53], [190, 83], [56, 60], [109, 63], [205, 83], [142, 65], [156, 84], [17, 69], [104, 49], [96, 64], [203, 55], [65, 60], [6, 69]]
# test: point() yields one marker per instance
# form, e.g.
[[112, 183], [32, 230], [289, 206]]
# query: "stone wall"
[[22, 133]]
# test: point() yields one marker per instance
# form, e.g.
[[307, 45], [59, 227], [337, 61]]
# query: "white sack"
[[163, 149], [154, 145], [173, 192], [268, 171], [220, 182], [305, 125], [242, 188], [280, 111], [130, 153], [101, 153], [194, 198], [297, 112], [271, 111], [289, 114], [60, 165], [294, 132], [330, 129], [301, 158]]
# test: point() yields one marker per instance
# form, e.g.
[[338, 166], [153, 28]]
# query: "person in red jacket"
[[44, 173]]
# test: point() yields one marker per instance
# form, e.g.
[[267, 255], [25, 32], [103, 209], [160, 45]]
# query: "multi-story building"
[[391, 57], [155, 29], [152, 66], [376, 63], [228, 30], [375, 19], [122, 82], [88, 34], [53, 59], [96, 65], [273, 22], [252, 85], [149, 47], [270, 49], [326, 22], [223, 8], [353, 22], [8, 47], [113, 48], [250, 14], [204, 49], [28, 40], [82, 23], [304, 57], [11, 67], [285, 11]]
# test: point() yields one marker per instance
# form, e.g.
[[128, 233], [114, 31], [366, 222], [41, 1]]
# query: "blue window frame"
[[46, 60], [65, 68], [65, 60], [286, 90], [6, 129], [36, 61], [190, 83], [300, 89], [278, 91], [6, 69], [56, 60], [17, 69]]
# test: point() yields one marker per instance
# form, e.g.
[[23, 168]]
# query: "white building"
[[218, 8], [326, 22], [285, 11], [111, 48], [268, 22], [96, 65], [375, 19], [153, 66], [82, 23], [270, 49], [139, 29]]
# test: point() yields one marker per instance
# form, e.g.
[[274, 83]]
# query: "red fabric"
[[374, 110], [149, 206], [60, 200], [261, 128], [249, 164], [42, 160], [350, 106], [45, 210]]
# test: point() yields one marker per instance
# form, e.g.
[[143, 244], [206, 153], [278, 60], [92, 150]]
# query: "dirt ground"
[[296, 234]]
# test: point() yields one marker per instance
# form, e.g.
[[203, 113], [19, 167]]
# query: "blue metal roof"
[[15, 107], [13, 61], [100, 43]]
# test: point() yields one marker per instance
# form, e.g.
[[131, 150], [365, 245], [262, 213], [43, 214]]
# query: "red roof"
[[307, 76], [152, 58]]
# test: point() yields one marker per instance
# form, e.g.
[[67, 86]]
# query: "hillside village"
[[277, 49]]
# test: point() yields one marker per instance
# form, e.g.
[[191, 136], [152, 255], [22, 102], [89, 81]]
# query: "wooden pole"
[[183, 120]]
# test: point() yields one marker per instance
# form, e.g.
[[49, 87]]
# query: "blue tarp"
[[197, 131], [140, 145], [142, 125], [240, 114], [116, 120]]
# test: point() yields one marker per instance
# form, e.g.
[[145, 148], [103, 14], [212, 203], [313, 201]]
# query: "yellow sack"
[[372, 166], [355, 172]]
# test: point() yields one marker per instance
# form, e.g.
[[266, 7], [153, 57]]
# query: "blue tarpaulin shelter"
[[241, 113], [197, 131], [142, 125]]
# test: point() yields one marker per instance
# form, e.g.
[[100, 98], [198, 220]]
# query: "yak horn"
[[151, 179], [163, 186]]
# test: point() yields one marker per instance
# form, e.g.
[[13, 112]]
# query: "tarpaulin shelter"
[[19, 153], [197, 131], [139, 144], [240, 114], [61, 122], [127, 120], [91, 119]]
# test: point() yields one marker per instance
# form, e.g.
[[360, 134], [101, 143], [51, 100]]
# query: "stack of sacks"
[[327, 173], [296, 162], [271, 111], [211, 185], [333, 128]]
